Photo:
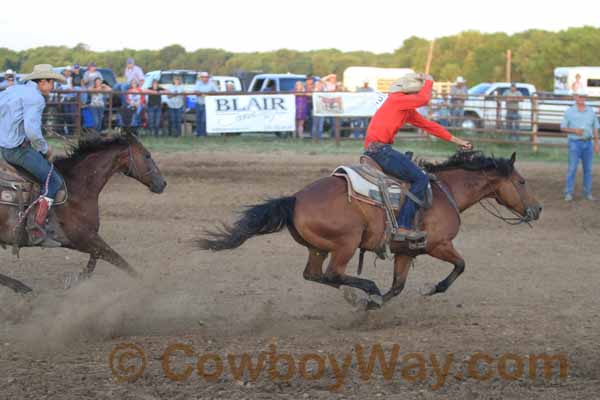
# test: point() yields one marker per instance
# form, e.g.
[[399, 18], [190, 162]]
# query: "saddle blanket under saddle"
[[364, 184]]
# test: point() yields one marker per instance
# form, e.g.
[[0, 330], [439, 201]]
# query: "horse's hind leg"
[[314, 266], [14, 284], [447, 252], [335, 276]]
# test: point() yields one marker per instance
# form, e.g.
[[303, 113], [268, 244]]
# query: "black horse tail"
[[261, 219]]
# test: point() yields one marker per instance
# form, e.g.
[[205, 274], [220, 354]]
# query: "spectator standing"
[[68, 101], [175, 103], [154, 107], [76, 75], [133, 71], [512, 98], [98, 102], [135, 101], [310, 88], [578, 87], [301, 108], [204, 85], [458, 95], [317, 122], [360, 124], [9, 79], [581, 124], [91, 75], [442, 112]]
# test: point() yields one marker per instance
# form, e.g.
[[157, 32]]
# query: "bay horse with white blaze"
[[86, 170], [321, 218]]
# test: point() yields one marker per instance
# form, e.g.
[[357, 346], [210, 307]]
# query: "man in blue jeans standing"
[[204, 85], [581, 123], [22, 143]]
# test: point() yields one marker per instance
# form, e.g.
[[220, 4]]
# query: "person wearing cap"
[[406, 95], [458, 95], [133, 71], [69, 107], [9, 79], [76, 75], [204, 85], [91, 75], [22, 143], [175, 105], [581, 124]]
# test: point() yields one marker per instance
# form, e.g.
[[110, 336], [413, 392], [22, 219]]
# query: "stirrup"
[[44, 240]]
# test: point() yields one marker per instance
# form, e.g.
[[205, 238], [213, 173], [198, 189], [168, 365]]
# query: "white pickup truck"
[[481, 108]]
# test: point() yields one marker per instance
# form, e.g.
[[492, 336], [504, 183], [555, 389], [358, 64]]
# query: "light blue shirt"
[[21, 108], [585, 120], [175, 101], [204, 88]]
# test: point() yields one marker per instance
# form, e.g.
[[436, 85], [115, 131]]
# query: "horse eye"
[[522, 181], [147, 156]]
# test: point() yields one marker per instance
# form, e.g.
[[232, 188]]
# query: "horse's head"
[[513, 192], [142, 167]]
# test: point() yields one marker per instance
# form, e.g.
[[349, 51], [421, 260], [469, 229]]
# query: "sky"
[[263, 25]]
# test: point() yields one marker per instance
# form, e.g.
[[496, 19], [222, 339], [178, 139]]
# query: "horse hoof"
[[22, 289], [73, 279], [351, 295], [428, 290], [376, 299]]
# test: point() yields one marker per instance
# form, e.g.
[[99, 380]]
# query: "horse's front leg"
[[73, 278], [446, 252], [14, 284], [401, 268], [97, 248]]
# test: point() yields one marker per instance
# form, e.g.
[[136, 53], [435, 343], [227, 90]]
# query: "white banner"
[[251, 113], [342, 104]]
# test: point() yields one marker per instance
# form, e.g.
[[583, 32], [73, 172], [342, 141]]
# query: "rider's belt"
[[374, 147], [26, 144], [582, 140]]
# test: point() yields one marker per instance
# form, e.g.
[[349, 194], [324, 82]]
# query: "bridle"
[[132, 170], [494, 211]]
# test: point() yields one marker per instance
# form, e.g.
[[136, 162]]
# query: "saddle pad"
[[366, 190]]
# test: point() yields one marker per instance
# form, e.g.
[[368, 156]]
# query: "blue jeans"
[[98, 115], [512, 123], [580, 150], [360, 127], [154, 119], [36, 164], [200, 120], [457, 114], [397, 164], [317, 127], [136, 120], [175, 121]]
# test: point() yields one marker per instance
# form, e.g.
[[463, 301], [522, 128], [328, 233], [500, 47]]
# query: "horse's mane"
[[84, 148], [471, 161]]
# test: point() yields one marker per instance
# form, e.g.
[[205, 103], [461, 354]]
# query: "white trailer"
[[379, 79]]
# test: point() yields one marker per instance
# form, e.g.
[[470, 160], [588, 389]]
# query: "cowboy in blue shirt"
[[21, 141], [581, 123]]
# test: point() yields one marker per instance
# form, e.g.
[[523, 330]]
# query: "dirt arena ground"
[[525, 291]]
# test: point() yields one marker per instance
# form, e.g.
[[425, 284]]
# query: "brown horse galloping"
[[86, 170], [322, 218]]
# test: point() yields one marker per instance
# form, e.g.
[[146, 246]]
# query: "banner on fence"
[[361, 104], [250, 113]]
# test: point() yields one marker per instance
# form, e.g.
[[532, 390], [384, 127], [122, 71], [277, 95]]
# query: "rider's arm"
[[32, 122], [411, 101], [434, 128]]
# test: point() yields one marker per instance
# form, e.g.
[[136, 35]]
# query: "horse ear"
[[513, 158]]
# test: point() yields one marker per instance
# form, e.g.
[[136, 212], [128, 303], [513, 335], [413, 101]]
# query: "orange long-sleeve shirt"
[[399, 109]]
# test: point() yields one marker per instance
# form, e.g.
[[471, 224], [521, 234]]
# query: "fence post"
[[498, 111], [336, 130], [78, 115], [534, 122]]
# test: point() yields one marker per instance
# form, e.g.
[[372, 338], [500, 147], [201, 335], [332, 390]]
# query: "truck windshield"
[[186, 78], [480, 89], [288, 84]]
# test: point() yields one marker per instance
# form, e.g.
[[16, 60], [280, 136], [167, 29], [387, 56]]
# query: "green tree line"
[[476, 56]]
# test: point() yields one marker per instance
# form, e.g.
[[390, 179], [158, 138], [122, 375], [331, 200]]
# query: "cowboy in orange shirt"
[[406, 95]]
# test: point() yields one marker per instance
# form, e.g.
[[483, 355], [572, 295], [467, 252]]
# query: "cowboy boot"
[[403, 234], [40, 238]]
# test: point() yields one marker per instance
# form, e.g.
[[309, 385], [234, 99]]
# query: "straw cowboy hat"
[[460, 79], [409, 83], [44, 71]]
